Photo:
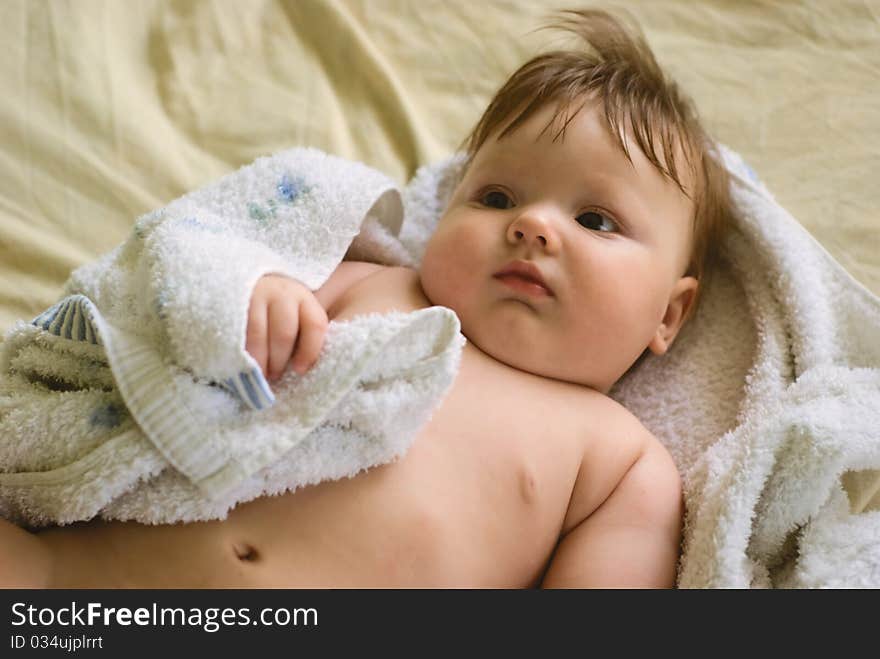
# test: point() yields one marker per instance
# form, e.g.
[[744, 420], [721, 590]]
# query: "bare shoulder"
[[623, 526], [618, 450]]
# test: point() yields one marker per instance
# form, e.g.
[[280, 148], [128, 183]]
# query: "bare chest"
[[502, 440]]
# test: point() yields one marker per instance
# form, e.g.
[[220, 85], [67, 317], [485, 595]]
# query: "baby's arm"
[[287, 322], [632, 539]]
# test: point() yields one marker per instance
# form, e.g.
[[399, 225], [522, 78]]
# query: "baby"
[[574, 243]]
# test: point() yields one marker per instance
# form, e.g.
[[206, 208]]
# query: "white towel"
[[769, 395], [133, 397]]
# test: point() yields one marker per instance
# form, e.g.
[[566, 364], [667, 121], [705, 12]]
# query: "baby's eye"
[[596, 221], [496, 199]]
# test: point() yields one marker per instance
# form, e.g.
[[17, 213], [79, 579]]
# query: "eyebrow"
[[500, 156], [615, 187]]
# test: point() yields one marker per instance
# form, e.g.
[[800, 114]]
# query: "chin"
[[546, 368], [508, 352]]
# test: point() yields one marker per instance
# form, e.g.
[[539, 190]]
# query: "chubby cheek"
[[618, 309], [634, 303], [635, 284], [448, 265]]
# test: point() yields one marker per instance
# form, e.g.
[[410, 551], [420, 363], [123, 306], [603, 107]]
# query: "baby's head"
[[586, 216]]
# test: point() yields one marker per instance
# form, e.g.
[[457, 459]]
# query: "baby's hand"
[[286, 324]]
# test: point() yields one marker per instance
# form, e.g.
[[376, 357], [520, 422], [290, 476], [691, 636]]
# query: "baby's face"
[[562, 258]]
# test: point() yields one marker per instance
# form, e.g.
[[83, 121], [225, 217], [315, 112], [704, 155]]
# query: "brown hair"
[[619, 67]]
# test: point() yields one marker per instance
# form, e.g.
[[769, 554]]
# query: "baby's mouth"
[[524, 277]]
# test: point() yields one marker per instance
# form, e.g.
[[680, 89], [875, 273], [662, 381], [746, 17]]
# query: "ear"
[[681, 300]]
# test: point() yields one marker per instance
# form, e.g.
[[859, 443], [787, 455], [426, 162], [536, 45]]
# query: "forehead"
[[578, 138], [586, 120]]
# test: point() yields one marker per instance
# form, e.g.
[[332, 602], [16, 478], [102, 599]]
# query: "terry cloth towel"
[[133, 397], [768, 401]]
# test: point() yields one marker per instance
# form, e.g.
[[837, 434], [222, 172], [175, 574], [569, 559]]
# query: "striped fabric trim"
[[150, 394], [251, 387], [146, 385], [72, 318]]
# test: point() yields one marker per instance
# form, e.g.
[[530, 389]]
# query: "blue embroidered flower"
[[289, 190], [106, 416], [196, 224], [191, 222], [256, 212]]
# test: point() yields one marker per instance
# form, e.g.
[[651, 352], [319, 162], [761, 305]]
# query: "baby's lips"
[[525, 275]]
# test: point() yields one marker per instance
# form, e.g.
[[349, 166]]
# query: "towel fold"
[[376, 384]]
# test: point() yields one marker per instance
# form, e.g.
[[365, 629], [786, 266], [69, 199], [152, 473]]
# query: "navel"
[[246, 552]]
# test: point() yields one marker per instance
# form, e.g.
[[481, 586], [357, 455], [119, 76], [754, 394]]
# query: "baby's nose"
[[530, 236], [531, 230]]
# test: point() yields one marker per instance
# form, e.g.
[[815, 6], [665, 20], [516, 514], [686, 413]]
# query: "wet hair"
[[616, 66]]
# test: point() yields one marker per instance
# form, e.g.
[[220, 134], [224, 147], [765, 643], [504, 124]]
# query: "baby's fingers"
[[283, 326], [312, 329], [257, 331]]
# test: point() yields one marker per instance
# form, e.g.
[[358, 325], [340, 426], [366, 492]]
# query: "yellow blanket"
[[112, 108]]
